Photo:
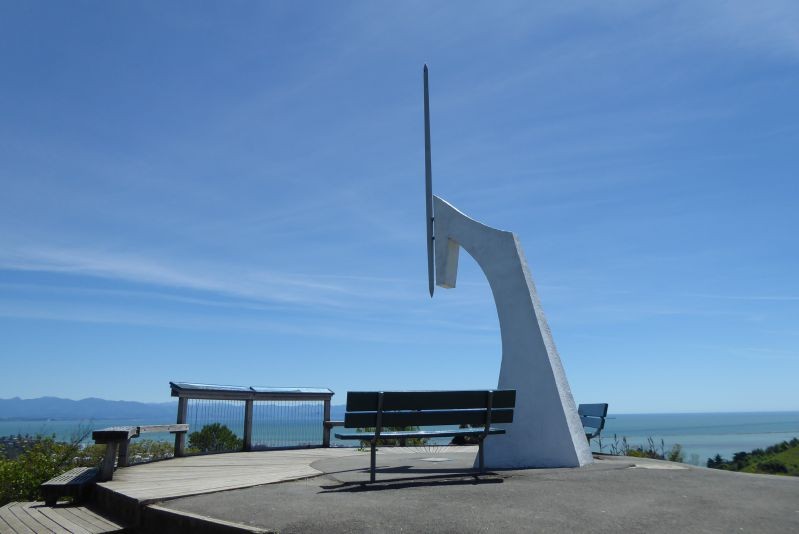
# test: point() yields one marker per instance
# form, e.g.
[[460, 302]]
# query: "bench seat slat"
[[75, 476], [592, 422], [427, 418], [593, 410], [163, 428], [419, 434], [114, 433], [366, 401]]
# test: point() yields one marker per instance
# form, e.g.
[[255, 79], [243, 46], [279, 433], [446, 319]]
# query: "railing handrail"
[[220, 392]]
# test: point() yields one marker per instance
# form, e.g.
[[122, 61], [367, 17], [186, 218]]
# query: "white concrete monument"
[[546, 430]]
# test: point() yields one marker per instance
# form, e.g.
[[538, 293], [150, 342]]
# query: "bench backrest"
[[593, 417], [428, 408]]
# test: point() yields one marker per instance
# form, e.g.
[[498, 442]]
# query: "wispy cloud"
[[771, 298], [225, 279]]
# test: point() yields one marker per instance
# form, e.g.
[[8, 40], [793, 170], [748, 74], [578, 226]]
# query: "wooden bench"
[[381, 409], [593, 418], [117, 440], [75, 483]]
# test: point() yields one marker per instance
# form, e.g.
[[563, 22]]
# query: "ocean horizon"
[[702, 435]]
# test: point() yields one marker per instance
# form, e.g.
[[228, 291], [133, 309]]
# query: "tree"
[[215, 437]]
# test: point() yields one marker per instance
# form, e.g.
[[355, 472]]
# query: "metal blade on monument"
[[428, 182]]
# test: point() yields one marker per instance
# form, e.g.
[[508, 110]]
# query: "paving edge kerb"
[[156, 518]]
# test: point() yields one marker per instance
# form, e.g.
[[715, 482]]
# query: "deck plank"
[[36, 518], [93, 521], [47, 524], [14, 524], [87, 526], [54, 515], [25, 518]]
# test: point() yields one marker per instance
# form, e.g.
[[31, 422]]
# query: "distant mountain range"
[[91, 408]]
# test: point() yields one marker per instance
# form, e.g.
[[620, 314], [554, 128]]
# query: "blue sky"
[[232, 193]]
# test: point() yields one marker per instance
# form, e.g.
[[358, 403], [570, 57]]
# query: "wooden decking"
[[180, 477], [134, 488], [35, 517]]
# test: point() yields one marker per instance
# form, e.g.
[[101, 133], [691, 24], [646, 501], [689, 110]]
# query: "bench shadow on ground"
[[398, 471], [412, 479]]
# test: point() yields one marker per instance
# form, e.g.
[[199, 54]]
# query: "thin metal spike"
[[428, 182]]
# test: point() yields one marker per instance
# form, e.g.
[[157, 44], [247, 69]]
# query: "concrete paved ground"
[[416, 494]]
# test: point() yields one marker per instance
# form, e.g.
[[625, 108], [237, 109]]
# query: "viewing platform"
[[298, 482], [426, 489]]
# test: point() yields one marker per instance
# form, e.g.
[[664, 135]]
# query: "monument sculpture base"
[[546, 430]]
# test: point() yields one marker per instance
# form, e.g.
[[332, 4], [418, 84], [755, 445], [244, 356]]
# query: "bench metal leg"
[[374, 456]]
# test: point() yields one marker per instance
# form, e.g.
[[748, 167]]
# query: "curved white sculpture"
[[546, 430]]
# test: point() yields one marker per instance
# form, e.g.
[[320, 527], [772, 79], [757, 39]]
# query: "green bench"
[[381, 409]]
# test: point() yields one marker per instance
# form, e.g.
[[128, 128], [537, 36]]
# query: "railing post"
[[180, 437], [326, 425], [248, 425]]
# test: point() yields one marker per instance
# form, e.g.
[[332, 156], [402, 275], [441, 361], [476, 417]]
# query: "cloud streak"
[[224, 279]]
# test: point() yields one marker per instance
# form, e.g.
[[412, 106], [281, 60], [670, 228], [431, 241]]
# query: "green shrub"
[[215, 437], [466, 440], [147, 450], [623, 448], [45, 458], [394, 442], [675, 454], [771, 467], [28, 461]]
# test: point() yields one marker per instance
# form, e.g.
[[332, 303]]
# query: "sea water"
[[702, 435]]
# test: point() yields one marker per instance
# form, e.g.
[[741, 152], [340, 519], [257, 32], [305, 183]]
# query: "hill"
[[89, 408], [779, 459], [94, 408]]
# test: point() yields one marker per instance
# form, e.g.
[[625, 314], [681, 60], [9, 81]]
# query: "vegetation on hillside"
[[394, 442], [40, 459], [621, 447], [779, 459], [27, 461], [468, 439]]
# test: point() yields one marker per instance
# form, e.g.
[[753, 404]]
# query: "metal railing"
[[246, 418]]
